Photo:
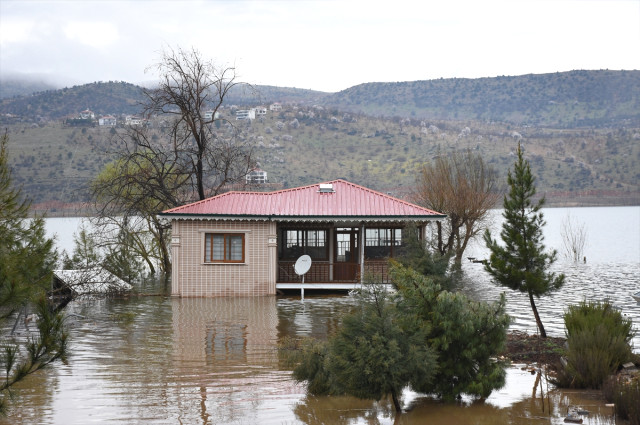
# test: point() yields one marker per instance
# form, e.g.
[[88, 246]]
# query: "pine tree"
[[423, 337], [522, 263], [27, 258], [26, 255]]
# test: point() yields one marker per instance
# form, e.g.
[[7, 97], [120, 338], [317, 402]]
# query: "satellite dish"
[[303, 264]]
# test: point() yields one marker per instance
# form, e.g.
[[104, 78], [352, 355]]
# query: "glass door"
[[346, 261]]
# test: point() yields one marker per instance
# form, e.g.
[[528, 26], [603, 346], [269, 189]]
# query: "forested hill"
[[563, 100], [121, 98], [102, 98]]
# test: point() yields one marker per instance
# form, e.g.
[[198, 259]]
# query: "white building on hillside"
[[208, 115], [107, 120], [256, 176], [246, 114]]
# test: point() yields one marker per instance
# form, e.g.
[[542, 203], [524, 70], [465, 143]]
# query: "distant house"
[[261, 111], [87, 115], [107, 121], [256, 176], [247, 243], [276, 106], [246, 114], [208, 115], [133, 121]]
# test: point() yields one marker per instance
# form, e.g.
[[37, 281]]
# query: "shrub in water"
[[624, 392], [598, 339]]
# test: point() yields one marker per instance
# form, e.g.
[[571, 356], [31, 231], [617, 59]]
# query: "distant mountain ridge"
[[561, 100], [15, 87]]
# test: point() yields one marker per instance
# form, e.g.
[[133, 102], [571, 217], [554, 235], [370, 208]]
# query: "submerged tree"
[[429, 339], [521, 263], [27, 259], [574, 239], [465, 188]]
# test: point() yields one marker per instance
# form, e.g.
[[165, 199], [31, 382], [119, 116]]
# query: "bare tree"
[[190, 94], [574, 239], [462, 186], [184, 153]]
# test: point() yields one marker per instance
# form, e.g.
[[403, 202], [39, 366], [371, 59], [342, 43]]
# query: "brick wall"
[[192, 277]]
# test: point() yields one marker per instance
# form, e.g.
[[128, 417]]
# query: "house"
[[87, 115], [261, 111], [107, 120], [246, 114], [133, 121], [275, 107], [256, 176], [247, 243], [210, 114]]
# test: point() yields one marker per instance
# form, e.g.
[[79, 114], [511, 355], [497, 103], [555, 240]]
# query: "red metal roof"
[[346, 200]]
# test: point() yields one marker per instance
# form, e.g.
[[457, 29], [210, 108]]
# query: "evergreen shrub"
[[598, 342]]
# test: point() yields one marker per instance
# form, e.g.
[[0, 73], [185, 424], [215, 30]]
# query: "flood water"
[[163, 360]]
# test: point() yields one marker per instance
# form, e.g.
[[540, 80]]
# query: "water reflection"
[[154, 360]]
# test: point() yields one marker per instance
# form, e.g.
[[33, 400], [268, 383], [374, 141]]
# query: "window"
[[224, 248], [381, 243], [312, 242]]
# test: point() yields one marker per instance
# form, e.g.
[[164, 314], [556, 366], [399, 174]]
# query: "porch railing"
[[325, 272]]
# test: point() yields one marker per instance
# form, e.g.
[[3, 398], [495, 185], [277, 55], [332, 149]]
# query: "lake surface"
[[163, 360]]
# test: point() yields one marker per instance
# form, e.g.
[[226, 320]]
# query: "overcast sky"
[[322, 45]]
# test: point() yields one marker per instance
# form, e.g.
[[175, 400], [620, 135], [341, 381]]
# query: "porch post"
[[362, 242], [272, 247]]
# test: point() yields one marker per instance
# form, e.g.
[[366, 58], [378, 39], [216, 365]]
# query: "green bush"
[[598, 340], [624, 392]]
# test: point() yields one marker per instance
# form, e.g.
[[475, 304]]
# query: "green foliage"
[[121, 259], [378, 352], [598, 339], [465, 334], [85, 255], [624, 392], [429, 339], [26, 260], [49, 345], [415, 255], [26, 255], [521, 264]]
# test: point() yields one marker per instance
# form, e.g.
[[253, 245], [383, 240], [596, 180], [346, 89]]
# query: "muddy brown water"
[[161, 360]]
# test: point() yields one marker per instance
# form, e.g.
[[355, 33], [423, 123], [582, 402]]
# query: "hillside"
[[102, 98], [575, 99], [580, 130], [120, 98], [304, 145], [565, 99]]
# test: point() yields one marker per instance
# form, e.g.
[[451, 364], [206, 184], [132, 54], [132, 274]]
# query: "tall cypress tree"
[[521, 263]]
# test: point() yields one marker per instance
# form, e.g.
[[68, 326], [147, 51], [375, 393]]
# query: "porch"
[[342, 254], [328, 273]]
